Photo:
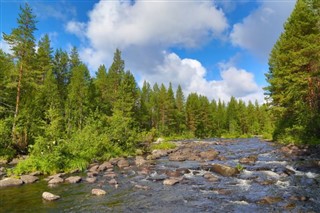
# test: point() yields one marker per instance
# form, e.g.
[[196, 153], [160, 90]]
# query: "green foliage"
[[52, 109], [239, 167], [294, 76], [165, 145]]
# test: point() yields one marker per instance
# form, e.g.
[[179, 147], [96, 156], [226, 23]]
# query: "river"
[[274, 183]]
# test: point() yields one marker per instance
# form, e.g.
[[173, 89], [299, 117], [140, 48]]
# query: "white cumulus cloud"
[[259, 31], [190, 74]]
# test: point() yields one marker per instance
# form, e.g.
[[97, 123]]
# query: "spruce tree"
[[294, 75], [22, 43]]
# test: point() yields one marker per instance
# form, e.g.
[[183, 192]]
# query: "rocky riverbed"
[[218, 175]]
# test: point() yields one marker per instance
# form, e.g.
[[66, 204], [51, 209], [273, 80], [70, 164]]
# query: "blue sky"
[[216, 48]]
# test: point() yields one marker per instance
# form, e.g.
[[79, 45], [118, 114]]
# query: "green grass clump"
[[165, 145]]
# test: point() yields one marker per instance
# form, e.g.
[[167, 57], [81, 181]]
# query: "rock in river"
[[98, 192], [122, 163], [248, 160], [225, 170], [73, 179], [139, 161], [10, 182], [171, 181], [55, 180], [209, 154], [29, 178], [49, 196]]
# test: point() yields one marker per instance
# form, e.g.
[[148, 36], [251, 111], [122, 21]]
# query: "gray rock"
[[142, 187], [55, 180], [98, 192], [10, 182], [29, 178], [73, 179], [49, 196]]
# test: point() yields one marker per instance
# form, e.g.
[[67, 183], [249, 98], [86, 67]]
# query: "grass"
[[165, 145]]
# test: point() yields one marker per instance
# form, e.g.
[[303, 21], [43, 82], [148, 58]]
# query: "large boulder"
[[98, 192], [181, 154], [73, 179], [225, 170], [10, 182], [49, 196], [29, 178]]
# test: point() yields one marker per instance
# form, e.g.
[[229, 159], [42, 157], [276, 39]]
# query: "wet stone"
[[73, 179], [171, 181], [142, 187], [29, 178], [91, 179], [224, 170], [269, 200], [10, 182], [55, 180], [249, 160], [122, 163], [98, 192], [92, 174], [49, 196], [113, 181], [105, 166]]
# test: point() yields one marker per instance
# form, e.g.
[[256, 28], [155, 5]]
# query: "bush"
[[165, 145]]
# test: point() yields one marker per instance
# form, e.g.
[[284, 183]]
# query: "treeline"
[[51, 108]]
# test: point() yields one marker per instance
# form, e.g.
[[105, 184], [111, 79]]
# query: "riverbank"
[[197, 176]]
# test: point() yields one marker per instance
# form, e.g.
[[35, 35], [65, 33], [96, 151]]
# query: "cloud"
[[146, 30], [190, 74], [259, 31], [148, 24], [5, 46]]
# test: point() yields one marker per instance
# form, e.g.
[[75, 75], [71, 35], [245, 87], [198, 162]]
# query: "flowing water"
[[291, 182]]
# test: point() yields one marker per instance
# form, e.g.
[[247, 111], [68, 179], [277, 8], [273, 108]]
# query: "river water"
[[275, 183]]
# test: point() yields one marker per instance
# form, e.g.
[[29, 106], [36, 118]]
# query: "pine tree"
[[114, 76], [22, 43], [145, 106], [293, 75], [100, 83], [171, 111], [77, 106], [180, 116]]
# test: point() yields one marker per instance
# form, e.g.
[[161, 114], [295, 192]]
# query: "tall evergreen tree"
[[180, 116], [22, 43], [293, 75]]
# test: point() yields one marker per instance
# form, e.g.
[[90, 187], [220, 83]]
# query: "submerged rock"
[[73, 179], [209, 155], [91, 179], [269, 200], [49, 196], [210, 177], [98, 192], [171, 181], [29, 178], [113, 182], [225, 170], [249, 160], [10, 182], [142, 187]]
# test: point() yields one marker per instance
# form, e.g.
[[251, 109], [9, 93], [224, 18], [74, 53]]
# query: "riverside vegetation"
[[64, 119]]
